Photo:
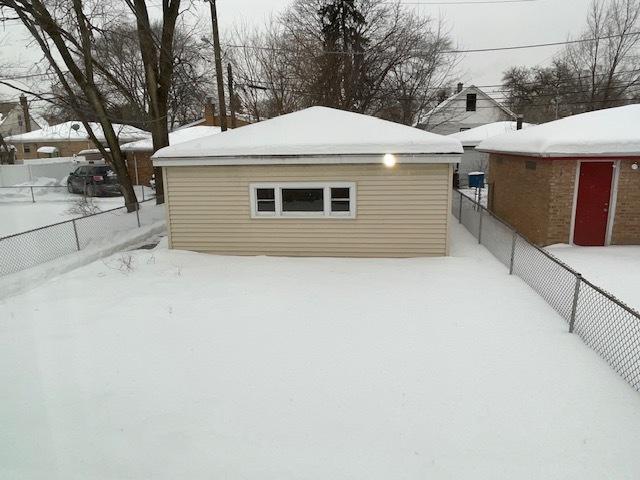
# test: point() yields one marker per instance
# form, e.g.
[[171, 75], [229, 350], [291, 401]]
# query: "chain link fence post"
[[33, 199], [574, 305], [138, 214], [480, 225], [75, 232], [514, 239], [460, 207]]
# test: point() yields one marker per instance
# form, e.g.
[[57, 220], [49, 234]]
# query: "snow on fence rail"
[[602, 321], [27, 249]]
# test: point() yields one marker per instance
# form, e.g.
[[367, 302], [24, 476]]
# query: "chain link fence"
[[28, 249], [602, 321]]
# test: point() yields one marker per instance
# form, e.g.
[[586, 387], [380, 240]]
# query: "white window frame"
[[326, 213]]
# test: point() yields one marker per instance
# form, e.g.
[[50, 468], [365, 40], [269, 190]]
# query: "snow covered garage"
[[318, 182], [574, 180]]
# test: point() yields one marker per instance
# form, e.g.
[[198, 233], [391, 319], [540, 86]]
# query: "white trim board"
[[303, 160]]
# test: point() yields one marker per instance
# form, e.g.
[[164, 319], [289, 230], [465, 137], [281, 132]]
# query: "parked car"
[[94, 181]]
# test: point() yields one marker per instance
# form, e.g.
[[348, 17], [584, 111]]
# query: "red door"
[[592, 208]]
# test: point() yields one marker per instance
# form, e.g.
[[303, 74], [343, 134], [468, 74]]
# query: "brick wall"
[[535, 195], [562, 187], [65, 149], [626, 226], [520, 195], [144, 166]]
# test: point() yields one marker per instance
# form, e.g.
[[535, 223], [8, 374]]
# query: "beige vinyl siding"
[[401, 211]]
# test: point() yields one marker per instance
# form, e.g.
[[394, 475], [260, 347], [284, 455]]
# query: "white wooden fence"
[[28, 172]]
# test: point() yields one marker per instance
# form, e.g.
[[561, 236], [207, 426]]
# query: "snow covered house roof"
[[473, 136], [176, 137], [75, 131], [315, 131], [610, 132]]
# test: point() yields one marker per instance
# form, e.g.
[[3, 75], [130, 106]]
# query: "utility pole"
[[218, 58], [231, 97]]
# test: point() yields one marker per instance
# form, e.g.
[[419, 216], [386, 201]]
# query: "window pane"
[[471, 102], [265, 193], [302, 200], [266, 205], [339, 193], [340, 205]]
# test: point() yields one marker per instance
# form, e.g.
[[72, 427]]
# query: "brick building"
[[574, 180], [66, 139]]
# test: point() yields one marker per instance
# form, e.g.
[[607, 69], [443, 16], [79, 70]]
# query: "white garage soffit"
[[315, 135]]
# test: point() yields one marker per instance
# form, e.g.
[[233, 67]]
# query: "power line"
[[472, 50]]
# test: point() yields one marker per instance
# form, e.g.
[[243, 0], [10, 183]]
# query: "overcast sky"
[[472, 26]]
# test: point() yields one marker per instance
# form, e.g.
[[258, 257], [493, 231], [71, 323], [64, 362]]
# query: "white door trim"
[[574, 205], [613, 198], [613, 201]]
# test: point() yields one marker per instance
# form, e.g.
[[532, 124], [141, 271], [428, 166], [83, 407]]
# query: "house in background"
[[212, 120], [468, 108], [318, 182], [575, 180], [16, 119], [139, 153], [474, 160], [66, 139]]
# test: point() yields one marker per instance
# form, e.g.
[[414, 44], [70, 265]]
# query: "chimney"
[[519, 122], [209, 112], [460, 85], [25, 112]]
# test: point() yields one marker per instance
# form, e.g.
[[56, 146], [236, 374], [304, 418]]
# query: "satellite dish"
[[75, 126]]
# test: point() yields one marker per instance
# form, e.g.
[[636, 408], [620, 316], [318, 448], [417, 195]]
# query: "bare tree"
[[124, 84], [601, 70], [414, 86], [348, 54], [157, 56], [604, 63], [265, 75], [7, 153], [65, 31]]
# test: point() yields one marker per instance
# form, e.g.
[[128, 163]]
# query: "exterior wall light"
[[634, 166], [389, 160]]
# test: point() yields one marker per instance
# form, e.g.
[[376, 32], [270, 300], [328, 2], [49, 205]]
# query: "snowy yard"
[[183, 365], [615, 268], [19, 214]]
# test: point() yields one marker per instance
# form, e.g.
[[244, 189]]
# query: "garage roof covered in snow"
[[75, 131], [313, 132], [473, 136], [176, 137], [610, 132]]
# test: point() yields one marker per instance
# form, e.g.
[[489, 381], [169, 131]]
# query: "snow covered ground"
[[168, 364], [18, 213], [615, 268]]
